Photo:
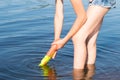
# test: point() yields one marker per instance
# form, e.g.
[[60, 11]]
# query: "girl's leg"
[[91, 40], [91, 45], [95, 15]]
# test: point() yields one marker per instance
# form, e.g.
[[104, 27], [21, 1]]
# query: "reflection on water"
[[78, 74], [86, 74], [49, 72]]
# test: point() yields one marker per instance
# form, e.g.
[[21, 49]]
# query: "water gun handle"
[[52, 51]]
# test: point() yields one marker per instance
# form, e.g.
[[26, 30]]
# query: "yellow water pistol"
[[50, 54]]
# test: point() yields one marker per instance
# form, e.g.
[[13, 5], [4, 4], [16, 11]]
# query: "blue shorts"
[[104, 3]]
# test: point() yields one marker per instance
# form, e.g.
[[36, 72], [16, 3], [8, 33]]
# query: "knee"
[[78, 40], [80, 37]]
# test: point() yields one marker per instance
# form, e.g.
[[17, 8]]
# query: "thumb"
[[53, 43]]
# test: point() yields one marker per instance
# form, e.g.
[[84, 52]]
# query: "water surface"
[[26, 32]]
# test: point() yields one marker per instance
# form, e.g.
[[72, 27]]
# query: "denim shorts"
[[104, 3]]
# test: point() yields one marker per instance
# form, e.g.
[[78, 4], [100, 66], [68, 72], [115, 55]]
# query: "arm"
[[80, 19], [58, 19]]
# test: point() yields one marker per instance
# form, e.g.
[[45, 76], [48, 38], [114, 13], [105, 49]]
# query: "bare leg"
[[93, 33], [91, 45], [95, 15]]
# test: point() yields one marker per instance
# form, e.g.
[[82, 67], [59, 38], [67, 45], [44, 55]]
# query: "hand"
[[60, 43]]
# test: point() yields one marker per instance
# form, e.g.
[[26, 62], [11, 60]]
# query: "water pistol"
[[50, 55]]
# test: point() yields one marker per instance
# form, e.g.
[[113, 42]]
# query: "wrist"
[[56, 39], [65, 39]]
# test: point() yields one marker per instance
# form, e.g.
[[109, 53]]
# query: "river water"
[[26, 32]]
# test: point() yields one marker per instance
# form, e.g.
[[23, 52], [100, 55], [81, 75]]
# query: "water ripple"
[[27, 32]]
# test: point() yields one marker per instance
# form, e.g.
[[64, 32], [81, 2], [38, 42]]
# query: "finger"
[[54, 43], [53, 47]]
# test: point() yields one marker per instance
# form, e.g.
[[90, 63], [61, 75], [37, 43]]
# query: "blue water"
[[26, 32]]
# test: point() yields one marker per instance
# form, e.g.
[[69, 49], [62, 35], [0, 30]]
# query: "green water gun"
[[50, 55]]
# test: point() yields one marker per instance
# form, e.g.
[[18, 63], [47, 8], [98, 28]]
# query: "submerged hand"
[[60, 43]]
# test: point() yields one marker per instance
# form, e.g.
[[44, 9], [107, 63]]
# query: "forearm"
[[58, 19], [80, 18], [76, 26]]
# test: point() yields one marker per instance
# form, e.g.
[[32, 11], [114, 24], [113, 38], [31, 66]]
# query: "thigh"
[[94, 16], [93, 35]]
